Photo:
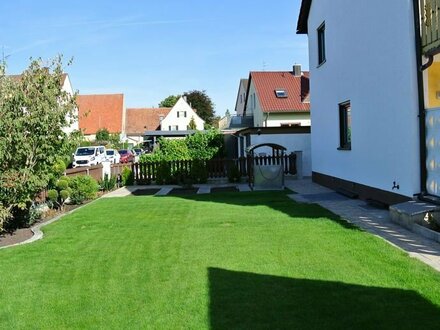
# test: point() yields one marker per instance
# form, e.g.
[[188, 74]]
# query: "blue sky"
[[151, 49]]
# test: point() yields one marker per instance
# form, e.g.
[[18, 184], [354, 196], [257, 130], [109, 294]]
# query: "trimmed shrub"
[[127, 177], [84, 187], [108, 183]]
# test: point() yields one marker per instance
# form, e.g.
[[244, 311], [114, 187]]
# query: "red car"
[[126, 156]]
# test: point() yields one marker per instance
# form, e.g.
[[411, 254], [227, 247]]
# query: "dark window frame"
[[321, 44], [345, 126]]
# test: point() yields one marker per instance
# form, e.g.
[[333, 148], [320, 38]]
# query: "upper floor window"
[[345, 126], [173, 128], [321, 44], [181, 114]]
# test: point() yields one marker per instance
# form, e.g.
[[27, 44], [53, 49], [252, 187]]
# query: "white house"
[[367, 105], [179, 118], [67, 87], [278, 98], [241, 97]]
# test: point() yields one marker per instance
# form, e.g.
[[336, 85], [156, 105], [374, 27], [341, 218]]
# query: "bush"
[[127, 177], [199, 171], [233, 173], [108, 183], [5, 215], [84, 187], [163, 174]]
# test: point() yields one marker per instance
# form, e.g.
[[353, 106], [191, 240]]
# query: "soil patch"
[[145, 192], [224, 189], [183, 191]]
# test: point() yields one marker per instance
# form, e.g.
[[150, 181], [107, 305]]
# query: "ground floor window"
[[345, 125]]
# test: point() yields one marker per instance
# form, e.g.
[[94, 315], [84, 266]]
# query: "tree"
[[102, 135], [33, 112], [200, 101], [192, 124], [169, 101]]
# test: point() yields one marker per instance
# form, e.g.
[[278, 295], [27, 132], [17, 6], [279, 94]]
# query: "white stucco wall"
[[371, 61], [292, 142], [250, 109], [277, 119], [67, 87], [182, 122]]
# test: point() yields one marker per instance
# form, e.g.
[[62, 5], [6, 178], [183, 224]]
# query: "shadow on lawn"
[[276, 200], [241, 300]]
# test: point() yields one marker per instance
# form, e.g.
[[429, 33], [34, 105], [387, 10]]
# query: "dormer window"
[[281, 93]]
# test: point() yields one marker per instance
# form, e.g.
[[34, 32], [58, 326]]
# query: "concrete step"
[[413, 212]]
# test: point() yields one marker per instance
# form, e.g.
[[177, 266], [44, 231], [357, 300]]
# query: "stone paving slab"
[[375, 221]]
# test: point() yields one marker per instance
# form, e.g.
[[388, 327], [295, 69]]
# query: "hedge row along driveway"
[[227, 260]]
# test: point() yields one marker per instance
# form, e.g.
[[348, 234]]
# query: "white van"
[[88, 156]]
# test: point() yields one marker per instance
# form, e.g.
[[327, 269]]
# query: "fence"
[[146, 173], [94, 171]]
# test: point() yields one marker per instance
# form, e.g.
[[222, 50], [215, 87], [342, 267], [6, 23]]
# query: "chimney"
[[184, 97], [297, 70]]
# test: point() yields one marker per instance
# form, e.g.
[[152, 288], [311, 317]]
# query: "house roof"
[[297, 89], [302, 27], [100, 111], [139, 120]]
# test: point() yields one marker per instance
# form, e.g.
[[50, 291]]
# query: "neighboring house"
[[139, 120], [176, 123], [101, 111], [66, 87], [367, 104], [179, 117], [241, 97], [277, 99]]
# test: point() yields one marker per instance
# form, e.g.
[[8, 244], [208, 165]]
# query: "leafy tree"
[[102, 135], [205, 145], [200, 101], [169, 101], [33, 112]]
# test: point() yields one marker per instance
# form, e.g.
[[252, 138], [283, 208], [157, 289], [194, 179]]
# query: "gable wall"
[[371, 61]]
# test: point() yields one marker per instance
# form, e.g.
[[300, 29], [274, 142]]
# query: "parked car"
[[113, 156], [137, 154], [126, 156], [88, 156]]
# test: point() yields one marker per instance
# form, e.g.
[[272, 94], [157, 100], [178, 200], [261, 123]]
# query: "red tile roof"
[[139, 120], [100, 111], [297, 89]]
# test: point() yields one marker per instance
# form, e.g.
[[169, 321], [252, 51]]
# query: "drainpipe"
[[265, 121], [422, 128]]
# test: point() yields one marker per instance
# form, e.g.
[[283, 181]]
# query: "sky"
[[148, 50]]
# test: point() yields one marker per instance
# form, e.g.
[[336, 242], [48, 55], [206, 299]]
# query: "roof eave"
[[302, 27]]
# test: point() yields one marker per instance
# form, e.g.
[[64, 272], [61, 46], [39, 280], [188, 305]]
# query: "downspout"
[[265, 121], [422, 127]]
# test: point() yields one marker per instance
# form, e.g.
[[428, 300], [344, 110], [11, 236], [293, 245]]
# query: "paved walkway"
[[369, 218]]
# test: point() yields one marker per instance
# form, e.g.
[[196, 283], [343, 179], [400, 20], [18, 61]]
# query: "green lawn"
[[219, 261]]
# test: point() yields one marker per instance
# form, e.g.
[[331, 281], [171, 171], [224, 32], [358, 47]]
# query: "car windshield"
[[85, 151], [123, 152], [110, 152]]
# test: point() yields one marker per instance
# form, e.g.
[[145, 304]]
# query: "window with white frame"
[[181, 114]]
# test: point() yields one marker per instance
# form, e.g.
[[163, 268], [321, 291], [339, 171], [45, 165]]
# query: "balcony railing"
[[430, 26]]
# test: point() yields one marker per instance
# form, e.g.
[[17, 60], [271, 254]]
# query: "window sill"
[[344, 148], [321, 64]]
